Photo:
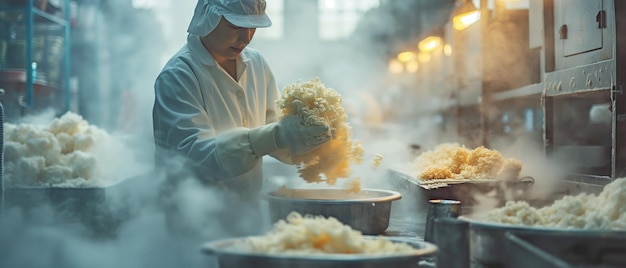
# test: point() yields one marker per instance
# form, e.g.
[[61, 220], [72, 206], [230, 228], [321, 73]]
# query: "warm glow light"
[[462, 21], [406, 56], [516, 4], [412, 66], [423, 57], [447, 50], [430, 43], [395, 66]]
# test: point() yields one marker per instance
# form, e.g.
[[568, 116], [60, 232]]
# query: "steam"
[[45, 237], [132, 228], [387, 114]]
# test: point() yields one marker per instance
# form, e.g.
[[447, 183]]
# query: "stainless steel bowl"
[[367, 211], [230, 257]]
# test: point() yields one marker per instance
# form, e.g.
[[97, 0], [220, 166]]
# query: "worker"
[[215, 104]]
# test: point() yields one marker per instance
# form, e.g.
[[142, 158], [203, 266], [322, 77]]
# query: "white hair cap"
[[242, 13]]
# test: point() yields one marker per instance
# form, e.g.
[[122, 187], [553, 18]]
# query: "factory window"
[[339, 18], [143, 3], [529, 119], [275, 9], [506, 128]]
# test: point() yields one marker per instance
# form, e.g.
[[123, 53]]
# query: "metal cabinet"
[[587, 78], [584, 38], [583, 33]]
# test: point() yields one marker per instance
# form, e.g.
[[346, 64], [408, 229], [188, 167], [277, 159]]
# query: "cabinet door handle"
[[601, 19], [563, 31]]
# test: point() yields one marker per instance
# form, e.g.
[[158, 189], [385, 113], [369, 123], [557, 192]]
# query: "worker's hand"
[[298, 138], [289, 133]]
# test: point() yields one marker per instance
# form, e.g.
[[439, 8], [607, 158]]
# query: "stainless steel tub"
[[229, 257], [367, 211], [489, 245], [558, 250]]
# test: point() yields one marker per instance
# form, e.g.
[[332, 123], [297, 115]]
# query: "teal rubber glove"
[[299, 138], [289, 133]]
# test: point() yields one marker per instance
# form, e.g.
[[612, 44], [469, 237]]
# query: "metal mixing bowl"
[[367, 211], [229, 256]]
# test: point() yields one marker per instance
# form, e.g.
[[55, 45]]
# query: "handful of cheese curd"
[[318, 105]]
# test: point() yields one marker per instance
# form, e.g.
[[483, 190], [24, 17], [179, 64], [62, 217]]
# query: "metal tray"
[[401, 178], [89, 206]]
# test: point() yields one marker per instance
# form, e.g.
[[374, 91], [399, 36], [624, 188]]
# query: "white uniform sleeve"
[[182, 125]]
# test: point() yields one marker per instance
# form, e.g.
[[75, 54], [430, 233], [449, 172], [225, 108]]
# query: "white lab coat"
[[203, 114]]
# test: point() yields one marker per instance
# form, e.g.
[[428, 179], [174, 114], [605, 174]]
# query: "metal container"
[[1, 156], [440, 208], [488, 242], [367, 211], [404, 179], [558, 250], [90, 207], [229, 257], [452, 239]]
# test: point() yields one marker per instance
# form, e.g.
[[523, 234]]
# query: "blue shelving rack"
[[27, 14]]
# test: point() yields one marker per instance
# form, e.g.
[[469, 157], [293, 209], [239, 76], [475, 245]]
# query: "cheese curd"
[[319, 235], [453, 161], [60, 153], [605, 211], [353, 185], [319, 105], [378, 158]]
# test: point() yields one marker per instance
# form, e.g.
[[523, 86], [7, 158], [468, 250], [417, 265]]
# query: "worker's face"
[[227, 41]]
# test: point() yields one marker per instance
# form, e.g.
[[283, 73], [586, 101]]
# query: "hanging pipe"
[[1, 157]]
